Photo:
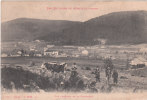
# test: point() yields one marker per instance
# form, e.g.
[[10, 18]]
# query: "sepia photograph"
[[73, 47]]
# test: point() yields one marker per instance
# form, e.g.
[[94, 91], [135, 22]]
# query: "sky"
[[73, 10], [75, 0]]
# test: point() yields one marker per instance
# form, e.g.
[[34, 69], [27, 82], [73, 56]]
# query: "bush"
[[87, 68], [28, 81], [23, 78], [123, 77]]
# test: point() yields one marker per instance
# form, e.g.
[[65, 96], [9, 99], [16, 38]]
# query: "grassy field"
[[38, 60], [126, 82]]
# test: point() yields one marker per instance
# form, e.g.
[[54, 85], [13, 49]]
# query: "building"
[[51, 53], [38, 55], [50, 46], [138, 61], [4, 55], [85, 52], [143, 50]]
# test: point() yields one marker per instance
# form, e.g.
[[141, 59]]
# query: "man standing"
[[74, 68], [74, 76], [65, 70], [97, 74], [115, 76], [108, 66]]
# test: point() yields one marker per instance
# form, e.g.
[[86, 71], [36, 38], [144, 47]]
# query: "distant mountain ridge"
[[125, 27], [30, 29]]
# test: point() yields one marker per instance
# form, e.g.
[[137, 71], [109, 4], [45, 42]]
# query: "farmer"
[[108, 66], [74, 68], [65, 69], [115, 76], [73, 76], [97, 74], [108, 74], [108, 71]]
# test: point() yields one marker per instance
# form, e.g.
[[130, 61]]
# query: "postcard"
[[74, 50]]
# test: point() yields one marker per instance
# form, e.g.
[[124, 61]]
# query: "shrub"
[[87, 68], [28, 81]]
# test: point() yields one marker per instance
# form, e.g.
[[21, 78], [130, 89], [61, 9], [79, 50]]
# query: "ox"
[[54, 67]]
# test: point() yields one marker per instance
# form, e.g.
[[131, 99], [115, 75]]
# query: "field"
[[128, 81]]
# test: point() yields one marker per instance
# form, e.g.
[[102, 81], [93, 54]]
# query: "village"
[[130, 54]]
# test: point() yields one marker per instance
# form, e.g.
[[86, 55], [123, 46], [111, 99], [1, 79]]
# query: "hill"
[[125, 27], [30, 29], [129, 27]]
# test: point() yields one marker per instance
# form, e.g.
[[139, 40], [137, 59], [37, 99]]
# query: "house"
[[85, 52], [75, 55], [27, 55], [4, 55], [51, 53], [139, 61], [50, 46], [15, 53], [37, 41], [38, 55], [143, 50]]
